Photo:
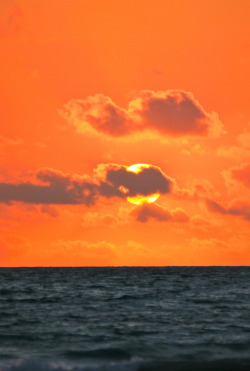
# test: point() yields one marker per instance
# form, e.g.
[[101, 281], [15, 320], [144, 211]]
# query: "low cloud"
[[12, 248], [50, 210], [173, 112], [6, 142], [83, 253], [244, 139], [197, 189], [109, 180], [92, 219], [241, 174], [237, 208], [146, 212], [10, 18]]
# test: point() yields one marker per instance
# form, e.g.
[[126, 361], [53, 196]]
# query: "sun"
[[141, 199]]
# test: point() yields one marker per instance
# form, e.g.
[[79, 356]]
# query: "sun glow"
[[138, 200], [137, 168], [141, 199]]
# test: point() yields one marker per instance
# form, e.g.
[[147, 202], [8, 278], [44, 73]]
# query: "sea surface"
[[125, 319]]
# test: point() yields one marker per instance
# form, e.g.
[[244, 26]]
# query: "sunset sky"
[[89, 88]]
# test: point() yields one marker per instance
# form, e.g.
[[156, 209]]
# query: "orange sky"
[[90, 87]]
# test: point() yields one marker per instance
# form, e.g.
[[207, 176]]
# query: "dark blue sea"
[[125, 319]]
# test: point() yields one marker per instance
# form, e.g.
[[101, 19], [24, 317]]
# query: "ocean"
[[125, 319]]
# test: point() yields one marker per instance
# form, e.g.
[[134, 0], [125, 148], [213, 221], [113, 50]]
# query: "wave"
[[105, 353], [35, 365], [137, 365]]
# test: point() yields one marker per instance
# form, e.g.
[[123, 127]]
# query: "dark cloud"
[[59, 190], [238, 208], [145, 212], [173, 112], [112, 119], [100, 114], [109, 180], [147, 181]]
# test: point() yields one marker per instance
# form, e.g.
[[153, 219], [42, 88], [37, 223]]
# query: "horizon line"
[[132, 266]]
